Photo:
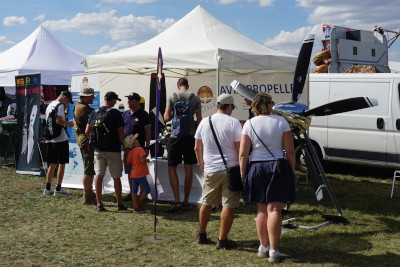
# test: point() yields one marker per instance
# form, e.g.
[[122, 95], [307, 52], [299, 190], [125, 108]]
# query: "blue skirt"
[[264, 185]]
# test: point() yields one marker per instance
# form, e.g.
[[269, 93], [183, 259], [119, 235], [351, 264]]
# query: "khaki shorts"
[[111, 159], [216, 189]]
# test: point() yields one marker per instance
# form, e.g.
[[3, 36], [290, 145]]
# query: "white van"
[[366, 136]]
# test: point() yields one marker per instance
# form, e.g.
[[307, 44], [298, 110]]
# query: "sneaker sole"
[[272, 260], [262, 254]]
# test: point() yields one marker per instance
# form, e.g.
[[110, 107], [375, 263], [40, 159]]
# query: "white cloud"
[[39, 17], [14, 21], [4, 41], [130, 1], [342, 13], [118, 46], [260, 2], [118, 28], [290, 42], [353, 14]]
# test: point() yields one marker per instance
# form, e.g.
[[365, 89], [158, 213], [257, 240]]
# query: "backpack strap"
[[55, 110], [190, 97]]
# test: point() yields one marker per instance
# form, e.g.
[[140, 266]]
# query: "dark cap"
[[133, 96], [69, 95], [111, 96]]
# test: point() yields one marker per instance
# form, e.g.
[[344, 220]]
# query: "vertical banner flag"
[[158, 93], [28, 112]]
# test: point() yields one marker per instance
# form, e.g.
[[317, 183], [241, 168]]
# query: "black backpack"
[[182, 116], [100, 129], [52, 129]]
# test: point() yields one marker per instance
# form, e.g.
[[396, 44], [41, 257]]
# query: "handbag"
[[233, 173]]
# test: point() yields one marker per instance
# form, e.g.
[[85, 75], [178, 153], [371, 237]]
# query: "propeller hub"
[[291, 107]]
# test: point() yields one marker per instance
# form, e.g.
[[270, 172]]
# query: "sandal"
[[174, 207], [100, 207], [185, 206], [122, 207]]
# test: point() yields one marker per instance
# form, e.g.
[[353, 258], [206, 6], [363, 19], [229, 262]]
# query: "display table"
[[163, 186]]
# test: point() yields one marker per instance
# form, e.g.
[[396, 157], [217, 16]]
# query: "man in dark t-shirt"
[[136, 121], [109, 155]]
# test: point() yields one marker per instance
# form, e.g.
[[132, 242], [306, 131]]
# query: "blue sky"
[[100, 26]]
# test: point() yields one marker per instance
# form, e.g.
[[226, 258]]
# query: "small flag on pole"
[[158, 93]]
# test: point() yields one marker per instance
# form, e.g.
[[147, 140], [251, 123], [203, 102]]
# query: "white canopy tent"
[[40, 52], [196, 44]]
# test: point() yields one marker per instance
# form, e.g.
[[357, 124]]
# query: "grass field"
[[37, 230]]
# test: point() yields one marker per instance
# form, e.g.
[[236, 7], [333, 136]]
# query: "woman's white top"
[[270, 129]]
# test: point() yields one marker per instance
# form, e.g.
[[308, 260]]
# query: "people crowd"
[[263, 149]]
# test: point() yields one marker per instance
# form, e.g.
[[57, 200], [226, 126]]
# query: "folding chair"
[[396, 174]]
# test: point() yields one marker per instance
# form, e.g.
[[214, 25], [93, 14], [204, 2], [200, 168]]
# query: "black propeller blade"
[[303, 61], [340, 106]]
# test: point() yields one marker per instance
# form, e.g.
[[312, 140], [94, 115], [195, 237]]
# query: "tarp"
[[394, 66], [40, 52], [195, 44]]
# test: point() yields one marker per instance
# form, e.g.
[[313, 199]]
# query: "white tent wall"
[[277, 84]]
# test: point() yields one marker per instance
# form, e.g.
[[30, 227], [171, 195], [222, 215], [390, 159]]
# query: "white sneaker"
[[261, 253], [48, 192], [62, 192], [274, 256]]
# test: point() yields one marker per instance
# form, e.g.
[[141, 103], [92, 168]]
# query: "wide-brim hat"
[[86, 91]]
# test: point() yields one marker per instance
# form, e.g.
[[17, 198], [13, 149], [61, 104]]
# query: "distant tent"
[[40, 52], [195, 44]]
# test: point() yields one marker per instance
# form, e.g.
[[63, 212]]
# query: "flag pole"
[[158, 93]]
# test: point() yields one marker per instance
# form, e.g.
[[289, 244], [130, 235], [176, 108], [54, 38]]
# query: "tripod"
[[315, 170]]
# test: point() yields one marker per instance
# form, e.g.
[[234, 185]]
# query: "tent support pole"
[[217, 77]]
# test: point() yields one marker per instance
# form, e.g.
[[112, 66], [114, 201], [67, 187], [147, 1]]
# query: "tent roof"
[[197, 42], [40, 52]]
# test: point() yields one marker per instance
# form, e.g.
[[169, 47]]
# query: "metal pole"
[[321, 171]]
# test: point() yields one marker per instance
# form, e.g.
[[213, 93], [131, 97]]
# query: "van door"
[[360, 135], [394, 136]]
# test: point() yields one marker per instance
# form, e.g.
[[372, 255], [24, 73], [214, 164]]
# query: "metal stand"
[[10, 145], [315, 170]]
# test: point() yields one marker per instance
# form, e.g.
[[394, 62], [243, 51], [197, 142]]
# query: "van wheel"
[[300, 159]]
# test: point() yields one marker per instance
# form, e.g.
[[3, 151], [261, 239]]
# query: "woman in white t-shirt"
[[268, 136]]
